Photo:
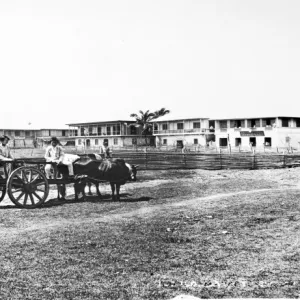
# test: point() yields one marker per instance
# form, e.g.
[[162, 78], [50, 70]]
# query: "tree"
[[144, 119]]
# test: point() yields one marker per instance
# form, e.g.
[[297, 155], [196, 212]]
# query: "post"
[[283, 159], [146, 156], [253, 159], [220, 156]]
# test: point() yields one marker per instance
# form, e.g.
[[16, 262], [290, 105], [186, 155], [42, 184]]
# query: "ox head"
[[132, 172]]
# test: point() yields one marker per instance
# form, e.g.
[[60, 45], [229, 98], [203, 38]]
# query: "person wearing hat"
[[105, 151], [5, 154]]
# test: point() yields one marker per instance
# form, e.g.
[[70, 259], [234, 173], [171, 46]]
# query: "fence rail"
[[210, 161]]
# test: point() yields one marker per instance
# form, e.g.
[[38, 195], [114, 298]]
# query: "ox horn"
[[136, 166]]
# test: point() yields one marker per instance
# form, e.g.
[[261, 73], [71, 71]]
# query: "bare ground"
[[207, 233]]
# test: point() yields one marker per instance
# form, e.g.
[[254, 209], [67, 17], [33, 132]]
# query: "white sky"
[[65, 61]]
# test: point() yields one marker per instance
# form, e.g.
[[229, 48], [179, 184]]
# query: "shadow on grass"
[[95, 199]]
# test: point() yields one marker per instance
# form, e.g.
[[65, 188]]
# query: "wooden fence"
[[209, 161]]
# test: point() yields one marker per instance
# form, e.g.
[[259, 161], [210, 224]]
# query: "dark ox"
[[89, 169]]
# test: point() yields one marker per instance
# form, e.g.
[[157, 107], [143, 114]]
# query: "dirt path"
[[146, 211]]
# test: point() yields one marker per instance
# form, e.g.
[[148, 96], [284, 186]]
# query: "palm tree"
[[144, 119]]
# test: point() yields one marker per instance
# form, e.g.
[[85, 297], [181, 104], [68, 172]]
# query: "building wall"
[[188, 124], [280, 136], [188, 140]]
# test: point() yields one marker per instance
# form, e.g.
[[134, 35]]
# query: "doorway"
[[223, 142], [238, 142], [253, 141], [88, 143], [179, 144]]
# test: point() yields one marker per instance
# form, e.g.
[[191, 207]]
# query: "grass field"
[[204, 233]]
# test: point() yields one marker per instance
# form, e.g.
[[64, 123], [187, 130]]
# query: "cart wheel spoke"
[[17, 190], [30, 176], [20, 196], [36, 195], [25, 200], [35, 178], [25, 179], [38, 190], [31, 198]]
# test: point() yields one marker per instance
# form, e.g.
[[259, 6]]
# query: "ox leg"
[[90, 191], [118, 191], [98, 190], [61, 191], [112, 185]]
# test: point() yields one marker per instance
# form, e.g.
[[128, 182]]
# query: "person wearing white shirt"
[[5, 153]]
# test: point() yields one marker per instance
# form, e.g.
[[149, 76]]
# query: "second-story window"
[[64, 133], [223, 124], [285, 122], [17, 133], [108, 130], [132, 130], [27, 133], [297, 122], [99, 130], [82, 131], [179, 126], [196, 125], [165, 126]]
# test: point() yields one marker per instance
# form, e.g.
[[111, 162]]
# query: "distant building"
[[182, 132], [120, 133], [34, 137], [274, 131]]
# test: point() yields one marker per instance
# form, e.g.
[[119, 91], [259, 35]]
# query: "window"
[[223, 125], [82, 131], [297, 122], [116, 129], [195, 141], [132, 130], [79, 142], [27, 133], [164, 126], [237, 123], [254, 123], [268, 141], [238, 142], [165, 141], [268, 122], [108, 130], [223, 142], [155, 127], [96, 142], [179, 126], [285, 122], [17, 133], [105, 141], [49, 133], [63, 133], [115, 141], [90, 130], [99, 130], [196, 125]]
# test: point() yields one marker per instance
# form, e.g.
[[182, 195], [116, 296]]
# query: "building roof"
[[168, 119], [249, 118], [101, 122]]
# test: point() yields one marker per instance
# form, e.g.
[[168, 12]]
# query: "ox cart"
[[27, 185]]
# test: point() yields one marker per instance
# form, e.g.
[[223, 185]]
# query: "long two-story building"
[[276, 131], [182, 132], [121, 133]]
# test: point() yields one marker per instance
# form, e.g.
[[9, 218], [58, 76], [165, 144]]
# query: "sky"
[[65, 61]]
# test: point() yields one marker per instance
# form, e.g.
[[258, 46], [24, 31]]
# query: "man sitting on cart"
[[5, 154], [54, 153]]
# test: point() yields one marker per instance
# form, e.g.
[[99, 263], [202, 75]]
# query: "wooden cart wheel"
[[2, 192], [27, 187]]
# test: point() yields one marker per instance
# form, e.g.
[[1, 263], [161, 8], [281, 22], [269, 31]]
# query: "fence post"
[[283, 159], [146, 158], [184, 159], [220, 155], [253, 159]]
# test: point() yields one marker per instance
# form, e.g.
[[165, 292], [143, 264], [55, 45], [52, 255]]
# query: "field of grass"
[[211, 234]]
